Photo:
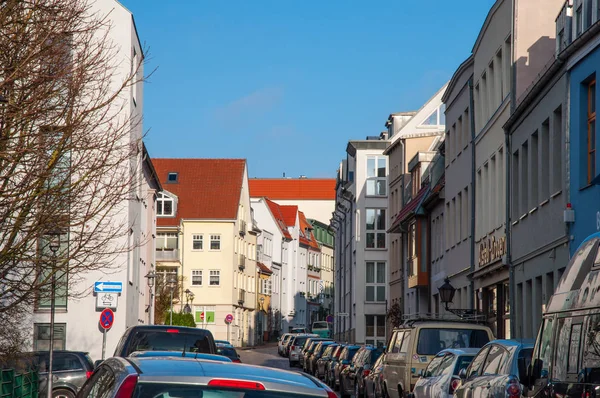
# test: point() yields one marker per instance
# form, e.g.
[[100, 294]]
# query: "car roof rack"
[[464, 316]]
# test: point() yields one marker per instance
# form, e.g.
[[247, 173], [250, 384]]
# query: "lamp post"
[[54, 245], [172, 284], [447, 295], [189, 296], [150, 276]]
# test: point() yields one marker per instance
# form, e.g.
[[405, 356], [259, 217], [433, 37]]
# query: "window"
[[41, 336], [493, 361], [545, 158], [416, 180], [375, 332], [196, 277], [579, 20], [412, 248], [172, 177], [165, 205], [436, 118], [166, 241], [375, 281], [375, 228], [376, 175], [197, 243], [474, 369], [591, 130], [215, 242], [588, 14], [204, 314], [574, 345], [215, 278]]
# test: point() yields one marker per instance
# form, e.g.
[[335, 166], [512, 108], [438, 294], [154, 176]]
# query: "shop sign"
[[491, 249]]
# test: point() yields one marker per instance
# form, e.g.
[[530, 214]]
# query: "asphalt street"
[[265, 356]]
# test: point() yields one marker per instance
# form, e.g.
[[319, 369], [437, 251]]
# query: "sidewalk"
[[265, 345]]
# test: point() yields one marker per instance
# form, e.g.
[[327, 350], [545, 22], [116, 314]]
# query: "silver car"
[[440, 378], [196, 378], [296, 344]]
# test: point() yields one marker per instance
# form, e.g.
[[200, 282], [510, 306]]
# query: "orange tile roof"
[[205, 188], [304, 225], [264, 269], [288, 188], [289, 215], [279, 220]]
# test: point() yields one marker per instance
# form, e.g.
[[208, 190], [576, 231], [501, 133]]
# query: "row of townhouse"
[[494, 198], [249, 268]]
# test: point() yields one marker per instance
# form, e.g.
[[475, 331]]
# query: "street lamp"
[[262, 301], [189, 296], [171, 284], [54, 245], [446, 293], [150, 276]]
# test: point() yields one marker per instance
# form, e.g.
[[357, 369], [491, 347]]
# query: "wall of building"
[[314, 209]]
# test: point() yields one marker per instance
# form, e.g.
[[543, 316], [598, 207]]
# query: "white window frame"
[[215, 238], [375, 231], [375, 338], [196, 273], [164, 237], [376, 285], [375, 177], [161, 199], [214, 273], [198, 238]]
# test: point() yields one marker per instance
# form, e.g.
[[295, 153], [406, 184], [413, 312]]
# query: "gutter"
[[473, 189]]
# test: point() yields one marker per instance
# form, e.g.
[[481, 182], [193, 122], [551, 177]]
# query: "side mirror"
[[462, 374], [422, 373]]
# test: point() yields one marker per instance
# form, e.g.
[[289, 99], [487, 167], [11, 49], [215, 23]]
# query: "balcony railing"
[[242, 227], [241, 296], [241, 262], [167, 255]]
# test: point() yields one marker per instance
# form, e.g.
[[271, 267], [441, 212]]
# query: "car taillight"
[[241, 384], [237, 361], [127, 387], [366, 373], [454, 383], [293, 348], [331, 394], [344, 367], [172, 330], [88, 374], [513, 388]]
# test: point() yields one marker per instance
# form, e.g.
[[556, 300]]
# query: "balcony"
[[241, 297], [417, 277], [167, 255], [242, 227], [241, 262]]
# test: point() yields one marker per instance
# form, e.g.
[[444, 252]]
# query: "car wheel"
[[62, 393]]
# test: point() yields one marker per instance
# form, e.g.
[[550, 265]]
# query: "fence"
[[18, 385]]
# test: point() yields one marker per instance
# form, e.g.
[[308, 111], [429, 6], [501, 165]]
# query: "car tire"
[[63, 393]]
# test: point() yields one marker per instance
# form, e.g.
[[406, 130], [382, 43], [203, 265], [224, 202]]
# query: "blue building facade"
[[584, 160]]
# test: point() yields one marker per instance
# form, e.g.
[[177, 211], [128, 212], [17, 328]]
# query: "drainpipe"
[[513, 105], [473, 189]]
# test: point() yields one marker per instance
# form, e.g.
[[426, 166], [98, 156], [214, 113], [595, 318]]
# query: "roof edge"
[[457, 73]]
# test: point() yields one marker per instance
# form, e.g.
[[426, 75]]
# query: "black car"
[[229, 351], [70, 370], [165, 338], [352, 378]]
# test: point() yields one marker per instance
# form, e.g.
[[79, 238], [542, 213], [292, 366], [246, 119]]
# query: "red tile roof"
[[304, 225], [278, 216], [205, 188], [289, 215], [264, 269], [287, 188], [409, 208]]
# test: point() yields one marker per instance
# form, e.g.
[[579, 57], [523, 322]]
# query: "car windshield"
[[320, 325], [172, 390], [432, 341], [299, 341], [164, 341]]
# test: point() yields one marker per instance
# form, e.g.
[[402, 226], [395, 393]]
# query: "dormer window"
[[436, 118], [165, 205], [172, 177]]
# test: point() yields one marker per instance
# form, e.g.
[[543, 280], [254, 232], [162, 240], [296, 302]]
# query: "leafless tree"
[[162, 301], [70, 148]]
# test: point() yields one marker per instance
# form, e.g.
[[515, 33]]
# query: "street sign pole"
[[103, 344]]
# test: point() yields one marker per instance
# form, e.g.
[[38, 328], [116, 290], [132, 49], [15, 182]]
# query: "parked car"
[[281, 342], [441, 377], [414, 344], [308, 346], [299, 330], [229, 352], [165, 338], [224, 342], [374, 380], [496, 370], [352, 377], [316, 355], [296, 345], [187, 378], [330, 371], [344, 361], [323, 362], [177, 354], [70, 370], [321, 329]]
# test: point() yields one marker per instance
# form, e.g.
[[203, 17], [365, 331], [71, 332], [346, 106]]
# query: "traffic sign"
[[107, 317], [202, 316], [343, 314], [329, 318], [229, 318], [108, 287], [107, 300]]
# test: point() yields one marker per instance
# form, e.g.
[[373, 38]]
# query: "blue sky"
[[286, 83]]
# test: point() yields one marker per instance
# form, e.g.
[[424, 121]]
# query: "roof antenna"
[[284, 174]]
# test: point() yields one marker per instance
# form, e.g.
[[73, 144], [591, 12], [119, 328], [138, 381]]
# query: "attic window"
[[172, 177]]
